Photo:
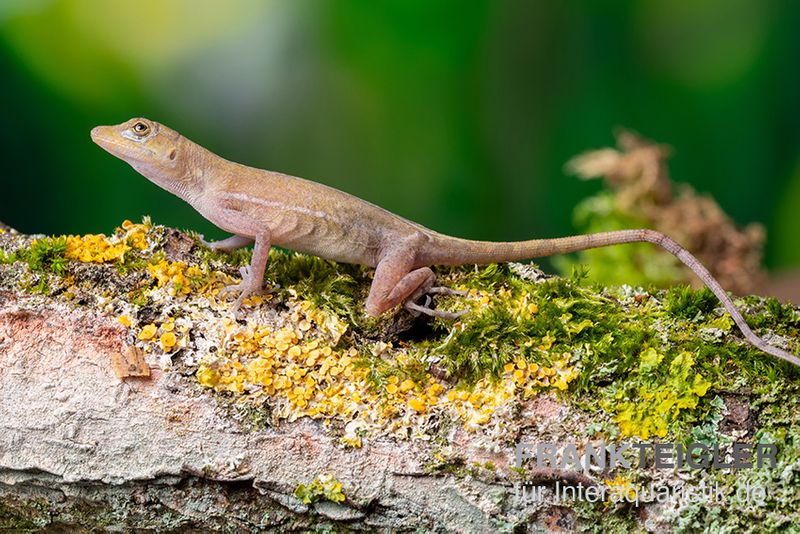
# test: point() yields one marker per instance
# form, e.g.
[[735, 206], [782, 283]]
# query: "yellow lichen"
[[98, 248], [663, 392], [167, 341], [407, 385], [147, 332], [351, 441], [176, 276]]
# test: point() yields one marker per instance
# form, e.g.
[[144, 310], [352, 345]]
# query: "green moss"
[[770, 313], [21, 516], [254, 416], [327, 284], [134, 261], [46, 255], [447, 465], [488, 341], [42, 286], [568, 316], [238, 258], [7, 258], [686, 303], [381, 369], [139, 296], [600, 519]]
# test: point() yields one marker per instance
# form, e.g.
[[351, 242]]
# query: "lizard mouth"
[[108, 139], [103, 136]]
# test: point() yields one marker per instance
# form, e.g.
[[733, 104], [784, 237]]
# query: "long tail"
[[446, 250]]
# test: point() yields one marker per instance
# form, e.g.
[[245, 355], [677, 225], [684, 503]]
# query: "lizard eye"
[[141, 129]]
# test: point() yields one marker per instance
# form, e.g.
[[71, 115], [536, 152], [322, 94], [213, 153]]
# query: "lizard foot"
[[243, 295], [246, 291], [244, 285], [213, 245], [417, 309], [247, 286]]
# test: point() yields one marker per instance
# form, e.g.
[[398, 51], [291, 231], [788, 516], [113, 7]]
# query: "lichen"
[[657, 394], [323, 487]]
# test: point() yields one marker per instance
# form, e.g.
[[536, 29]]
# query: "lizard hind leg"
[[394, 284]]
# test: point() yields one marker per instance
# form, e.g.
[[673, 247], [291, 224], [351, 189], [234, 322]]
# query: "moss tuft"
[[327, 284], [7, 258], [47, 255], [685, 303]]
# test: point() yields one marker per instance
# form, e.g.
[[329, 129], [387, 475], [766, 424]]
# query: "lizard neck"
[[186, 177]]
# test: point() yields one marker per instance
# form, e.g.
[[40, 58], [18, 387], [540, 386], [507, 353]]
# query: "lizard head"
[[140, 142], [159, 153]]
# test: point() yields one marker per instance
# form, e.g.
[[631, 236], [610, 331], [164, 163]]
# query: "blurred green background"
[[458, 115]]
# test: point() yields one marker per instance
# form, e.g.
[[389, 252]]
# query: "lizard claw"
[[415, 309], [245, 286], [238, 304]]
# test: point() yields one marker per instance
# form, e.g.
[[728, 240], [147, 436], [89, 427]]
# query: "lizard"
[[266, 208]]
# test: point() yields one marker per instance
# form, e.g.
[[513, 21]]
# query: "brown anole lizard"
[[269, 208]]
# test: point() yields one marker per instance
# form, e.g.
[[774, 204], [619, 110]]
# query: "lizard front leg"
[[229, 215], [253, 275]]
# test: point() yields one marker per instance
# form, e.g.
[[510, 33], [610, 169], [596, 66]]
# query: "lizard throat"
[[176, 185]]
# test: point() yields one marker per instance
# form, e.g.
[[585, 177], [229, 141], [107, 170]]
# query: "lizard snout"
[[104, 136], [97, 132]]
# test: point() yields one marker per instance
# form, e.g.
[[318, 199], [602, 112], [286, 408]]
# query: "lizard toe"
[[417, 309], [231, 289], [441, 290]]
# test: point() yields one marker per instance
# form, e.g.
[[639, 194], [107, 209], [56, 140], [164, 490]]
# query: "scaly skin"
[[269, 208]]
